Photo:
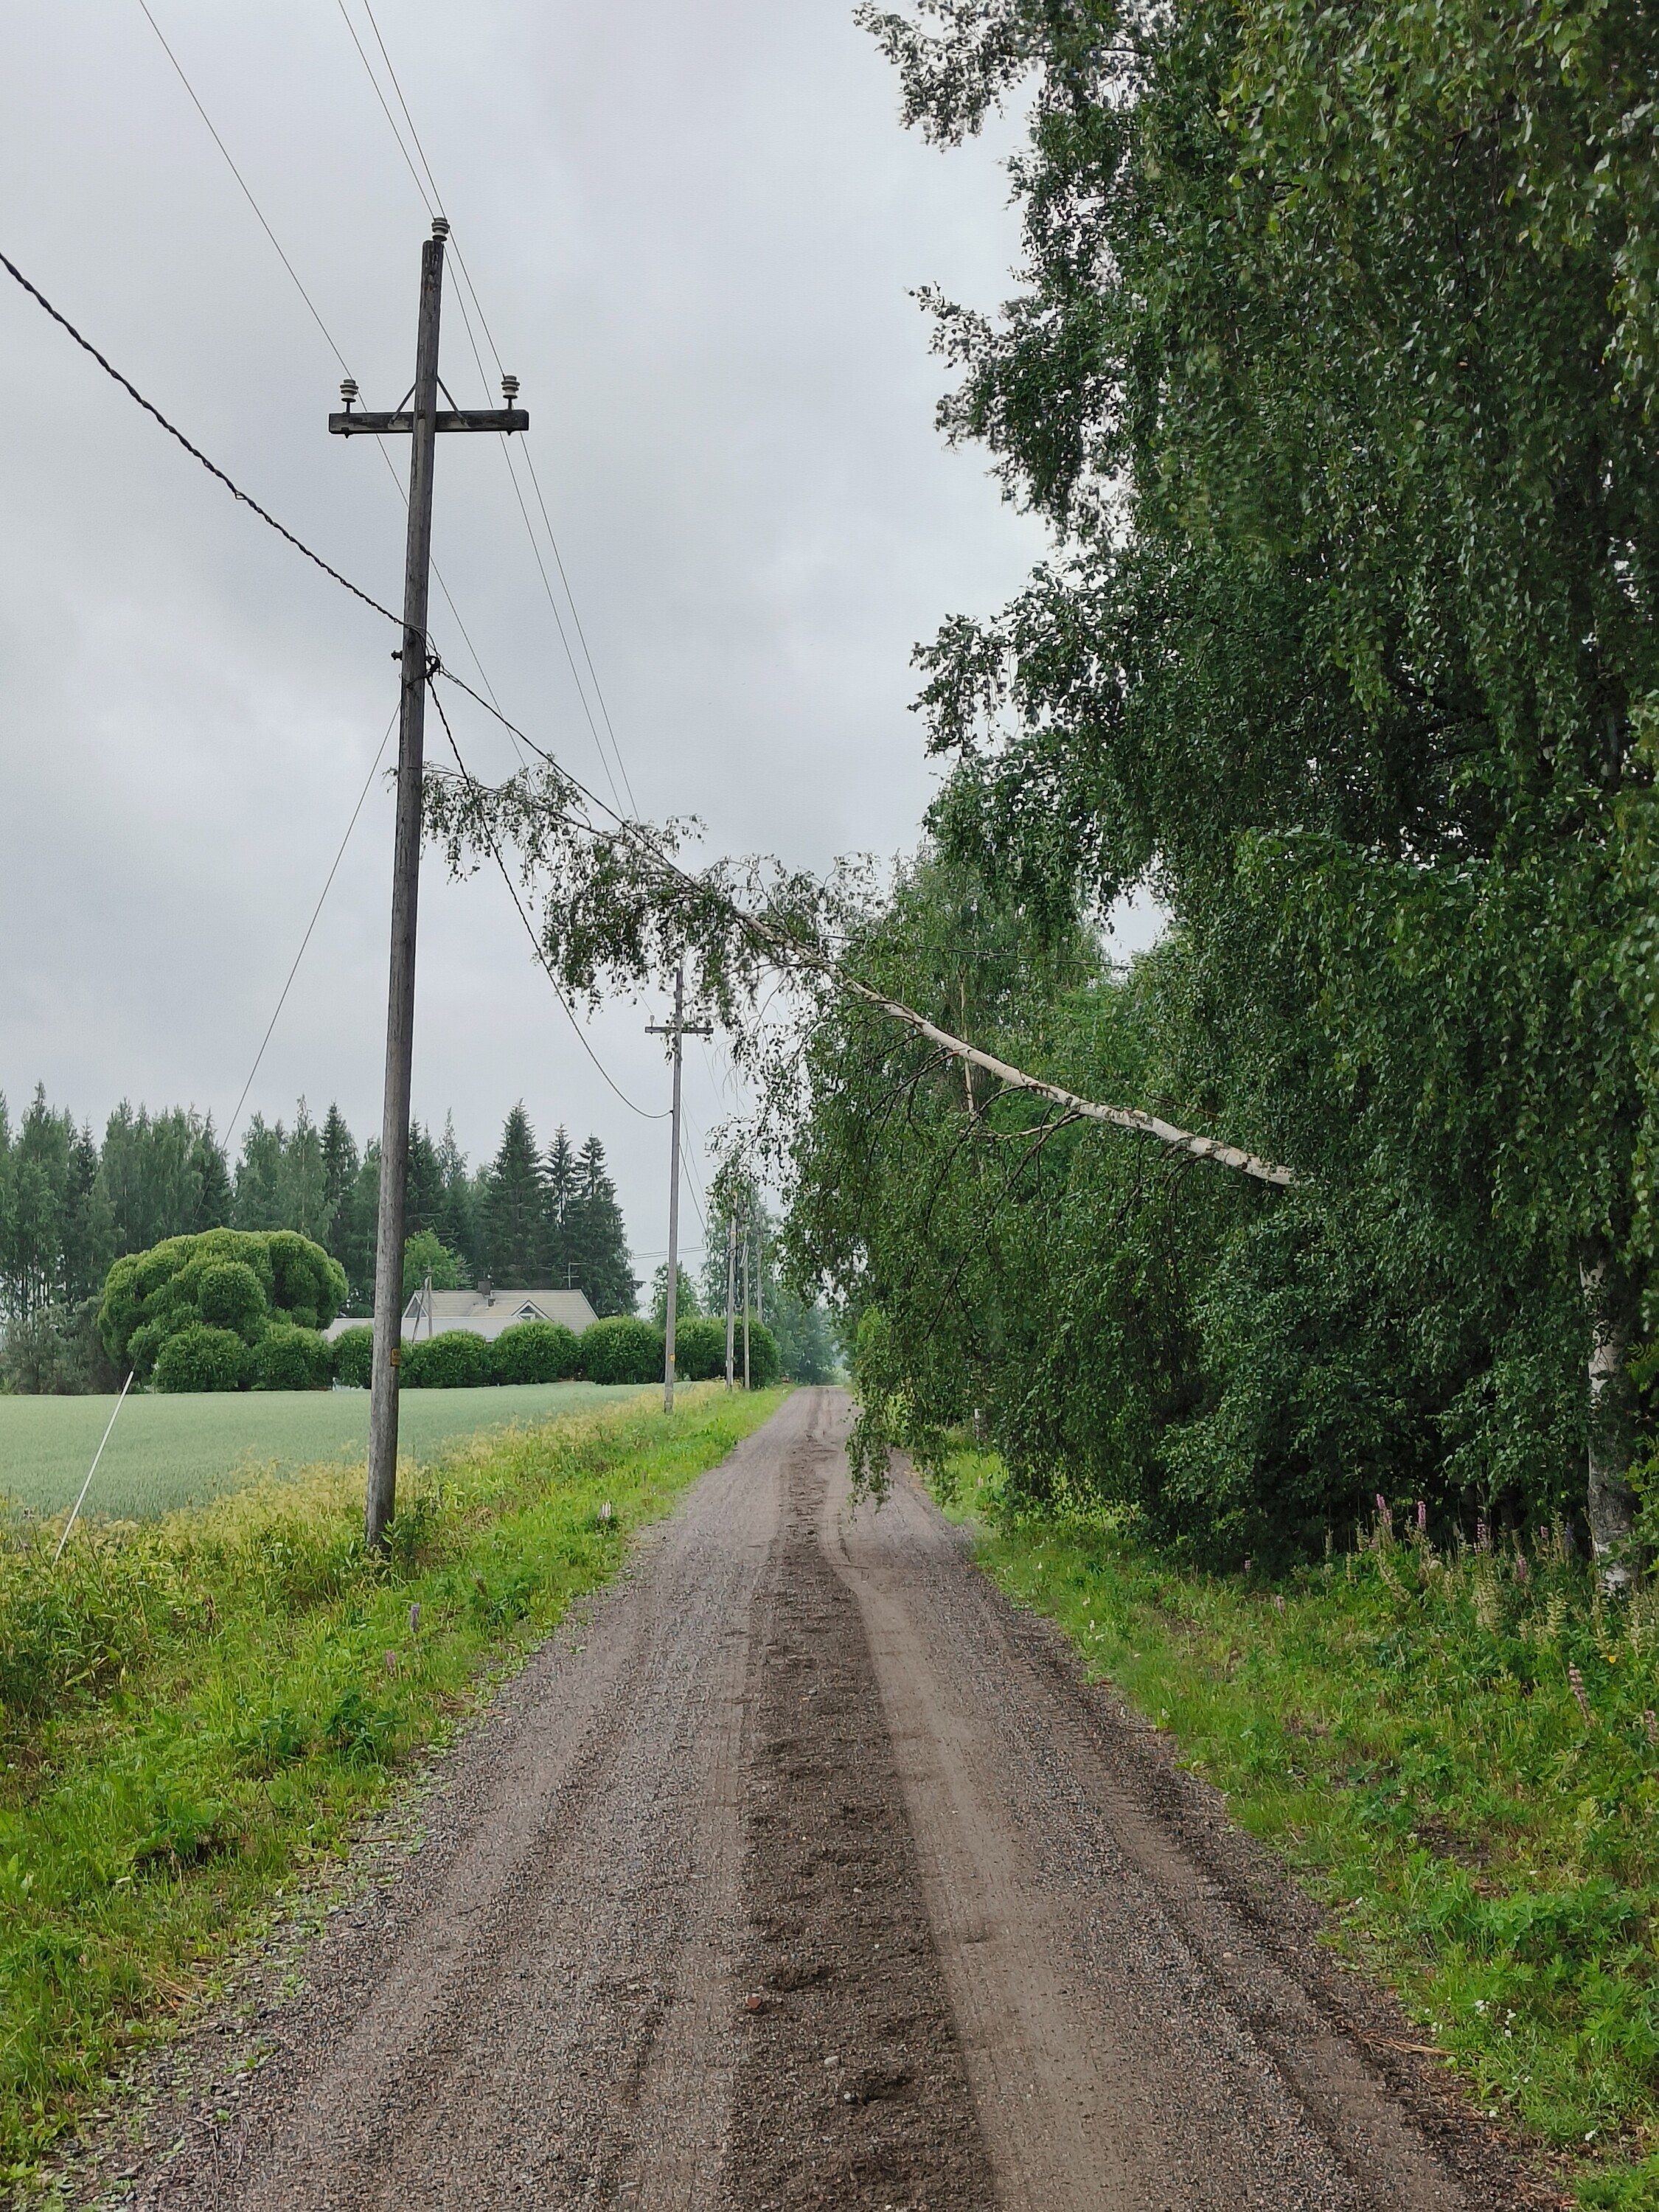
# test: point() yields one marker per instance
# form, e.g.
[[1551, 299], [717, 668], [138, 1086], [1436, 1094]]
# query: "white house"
[[486, 1312]]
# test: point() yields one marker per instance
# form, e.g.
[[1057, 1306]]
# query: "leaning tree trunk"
[[1611, 1303]]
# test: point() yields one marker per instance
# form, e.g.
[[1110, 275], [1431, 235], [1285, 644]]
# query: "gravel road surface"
[[802, 1872]]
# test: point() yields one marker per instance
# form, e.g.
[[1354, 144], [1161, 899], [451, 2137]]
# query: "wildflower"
[[1652, 1724], [414, 1620], [1482, 1535], [1522, 1571], [1577, 1681], [1422, 1516], [1278, 1602]]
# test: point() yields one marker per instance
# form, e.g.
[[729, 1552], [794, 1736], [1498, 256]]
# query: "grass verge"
[[192, 1709], [1455, 1748]]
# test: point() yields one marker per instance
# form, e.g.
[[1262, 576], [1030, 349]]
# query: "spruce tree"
[[340, 1164], [210, 1175], [457, 1219], [423, 1189], [515, 1206], [599, 1239], [563, 1185]]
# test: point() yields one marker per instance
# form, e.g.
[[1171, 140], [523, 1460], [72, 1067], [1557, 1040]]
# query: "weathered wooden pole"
[[731, 1291], [381, 1495], [678, 1031], [420, 421]]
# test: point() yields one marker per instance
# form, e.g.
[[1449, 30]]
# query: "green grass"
[[194, 1709], [1401, 1727], [167, 1452]]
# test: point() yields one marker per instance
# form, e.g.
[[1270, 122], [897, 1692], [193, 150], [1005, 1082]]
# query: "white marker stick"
[[91, 1471]]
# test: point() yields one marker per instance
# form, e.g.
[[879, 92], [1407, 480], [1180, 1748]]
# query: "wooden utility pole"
[[745, 1305], [420, 420], [731, 1291], [679, 1028]]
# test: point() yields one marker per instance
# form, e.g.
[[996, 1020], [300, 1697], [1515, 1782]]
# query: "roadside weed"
[[1454, 1746]]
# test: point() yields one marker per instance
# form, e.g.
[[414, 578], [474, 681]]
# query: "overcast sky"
[[695, 232]]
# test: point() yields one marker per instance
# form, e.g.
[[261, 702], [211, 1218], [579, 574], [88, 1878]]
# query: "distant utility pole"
[[745, 1305], [731, 1290], [418, 418], [679, 1028]]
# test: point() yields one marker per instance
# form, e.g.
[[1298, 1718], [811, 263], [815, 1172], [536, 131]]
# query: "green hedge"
[[700, 1349], [289, 1358], [456, 1360], [535, 1352], [622, 1349], [201, 1359], [352, 1357], [765, 1361]]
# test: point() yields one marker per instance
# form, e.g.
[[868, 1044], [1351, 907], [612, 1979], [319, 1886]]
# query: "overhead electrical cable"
[[432, 198], [328, 885], [194, 450], [380, 96], [242, 181], [316, 316]]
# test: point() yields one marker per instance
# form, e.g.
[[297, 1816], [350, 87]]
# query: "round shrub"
[[765, 1363], [201, 1359], [700, 1348], [352, 1357], [623, 1349], [229, 1295], [289, 1358], [456, 1360], [535, 1352]]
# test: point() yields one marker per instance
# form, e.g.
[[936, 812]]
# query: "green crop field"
[[172, 1451]]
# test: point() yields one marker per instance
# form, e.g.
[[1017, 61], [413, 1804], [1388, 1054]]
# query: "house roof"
[[488, 1314]]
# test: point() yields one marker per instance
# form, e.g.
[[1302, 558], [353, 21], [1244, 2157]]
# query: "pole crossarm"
[[359, 423]]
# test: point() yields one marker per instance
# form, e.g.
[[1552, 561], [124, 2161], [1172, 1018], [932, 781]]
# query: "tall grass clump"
[[1454, 1739], [192, 1709]]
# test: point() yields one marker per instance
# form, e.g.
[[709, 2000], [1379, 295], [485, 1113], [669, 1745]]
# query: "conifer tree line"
[[68, 1206]]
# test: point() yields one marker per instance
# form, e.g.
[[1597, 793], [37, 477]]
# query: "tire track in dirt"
[[852, 2090]]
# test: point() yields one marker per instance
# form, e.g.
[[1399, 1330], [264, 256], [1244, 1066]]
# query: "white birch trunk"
[[1610, 1504]]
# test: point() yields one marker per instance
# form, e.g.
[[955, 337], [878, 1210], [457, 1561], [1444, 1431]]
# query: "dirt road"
[[805, 1872]]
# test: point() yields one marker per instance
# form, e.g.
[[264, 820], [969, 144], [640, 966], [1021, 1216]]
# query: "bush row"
[[620, 1350]]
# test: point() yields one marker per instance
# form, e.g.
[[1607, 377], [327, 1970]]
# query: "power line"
[[194, 450], [380, 96], [230, 1131], [242, 181], [316, 316], [432, 201]]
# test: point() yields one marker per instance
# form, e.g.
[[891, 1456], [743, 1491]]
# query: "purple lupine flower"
[[1422, 1516], [1650, 1723], [1522, 1571], [1482, 1535], [1576, 1681]]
